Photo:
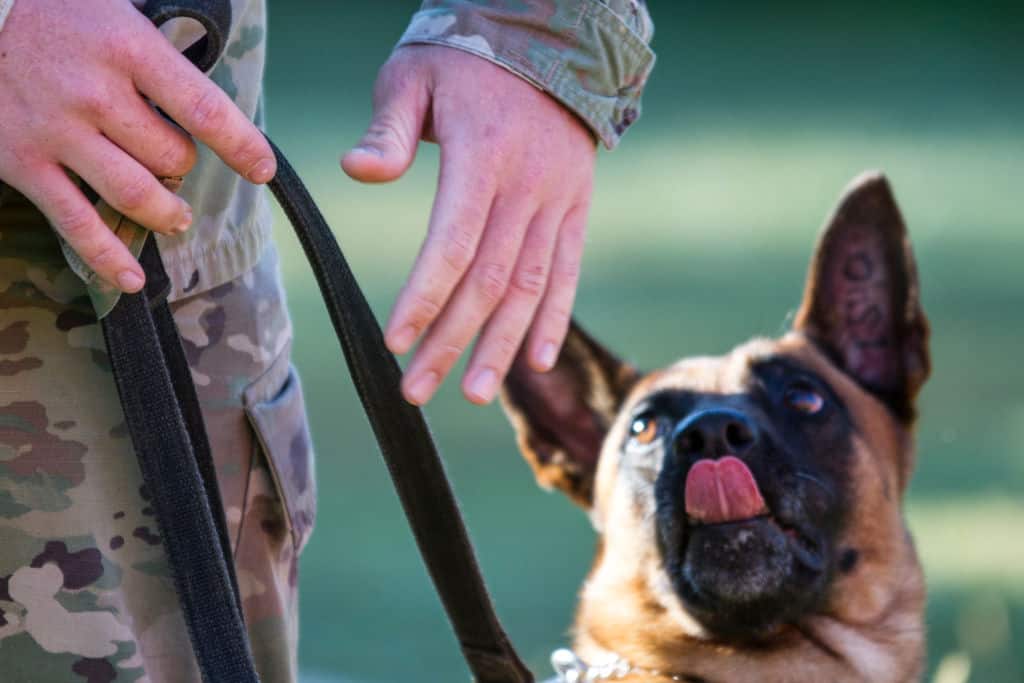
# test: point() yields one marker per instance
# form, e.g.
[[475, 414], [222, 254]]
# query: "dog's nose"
[[715, 433]]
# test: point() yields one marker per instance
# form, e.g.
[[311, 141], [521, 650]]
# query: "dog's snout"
[[715, 433]]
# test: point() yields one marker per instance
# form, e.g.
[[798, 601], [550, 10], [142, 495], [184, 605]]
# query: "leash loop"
[[213, 15]]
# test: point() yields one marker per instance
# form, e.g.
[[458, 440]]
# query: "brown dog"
[[749, 505]]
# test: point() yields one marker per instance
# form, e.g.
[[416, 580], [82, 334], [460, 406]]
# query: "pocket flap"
[[279, 420]]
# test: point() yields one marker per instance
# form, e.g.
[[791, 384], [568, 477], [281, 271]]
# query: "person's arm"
[[515, 107]]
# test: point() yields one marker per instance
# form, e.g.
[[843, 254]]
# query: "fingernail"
[[362, 149], [261, 172], [547, 355], [423, 388], [484, 384], [400, 342], [129, 281], [186, 220]]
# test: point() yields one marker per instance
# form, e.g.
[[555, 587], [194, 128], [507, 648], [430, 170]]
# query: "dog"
[[749, 505]]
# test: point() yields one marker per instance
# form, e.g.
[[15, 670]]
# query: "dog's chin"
[[743, 579]]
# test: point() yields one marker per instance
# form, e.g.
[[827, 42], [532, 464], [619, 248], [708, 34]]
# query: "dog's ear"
[[862, 302], [561, 416]]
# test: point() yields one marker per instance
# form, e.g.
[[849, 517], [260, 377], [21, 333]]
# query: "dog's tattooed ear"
[[862, 301], [561, 416]]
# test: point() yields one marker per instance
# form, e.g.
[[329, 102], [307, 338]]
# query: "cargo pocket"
[[277, 413]]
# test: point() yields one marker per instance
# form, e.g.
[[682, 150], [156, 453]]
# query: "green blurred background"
[[756, 117]]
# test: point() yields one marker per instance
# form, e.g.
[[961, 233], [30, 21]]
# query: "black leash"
[[166, 427], [405, 442], [167, 431]]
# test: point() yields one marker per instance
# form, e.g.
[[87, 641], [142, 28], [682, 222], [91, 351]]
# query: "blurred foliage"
[[757, 115]]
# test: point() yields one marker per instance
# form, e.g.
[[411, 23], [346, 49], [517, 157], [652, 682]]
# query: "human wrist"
[[590, 55]]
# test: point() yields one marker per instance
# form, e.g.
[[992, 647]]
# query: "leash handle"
[[213, 15]]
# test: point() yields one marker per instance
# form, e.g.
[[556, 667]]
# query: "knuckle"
[[388, 130], [557, 316], [104, 258], [568, 273], [177, 157], [91, 100], [424, 309], [491, 281], [576, 231], [207, 113], [530, 280], [459, 249], [506, 344], [251, 147], [447, 353], [133, 193], [75, 222], [118, 46]]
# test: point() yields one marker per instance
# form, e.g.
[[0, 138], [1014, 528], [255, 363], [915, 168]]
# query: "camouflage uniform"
[[85, 593], [84, 583]]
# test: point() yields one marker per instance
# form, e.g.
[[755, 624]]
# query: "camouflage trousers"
[[85, 590]]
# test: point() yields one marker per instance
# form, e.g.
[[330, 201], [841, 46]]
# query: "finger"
[[387, 149], [504, 332], [551, 322], [478, 294], [77, 221], [126, 185], [196, 104], [148, 137], [457, 221]]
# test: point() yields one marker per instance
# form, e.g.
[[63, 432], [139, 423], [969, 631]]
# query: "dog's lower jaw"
[[627, 624]]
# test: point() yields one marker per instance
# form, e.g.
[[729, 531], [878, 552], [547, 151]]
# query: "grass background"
[[756, 117]]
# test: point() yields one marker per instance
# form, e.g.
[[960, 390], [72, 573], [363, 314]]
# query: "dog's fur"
[[826, 587]]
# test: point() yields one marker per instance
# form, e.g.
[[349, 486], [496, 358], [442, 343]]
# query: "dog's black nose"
[[715, 433]]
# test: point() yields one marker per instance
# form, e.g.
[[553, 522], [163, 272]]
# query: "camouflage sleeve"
[[591, 55]]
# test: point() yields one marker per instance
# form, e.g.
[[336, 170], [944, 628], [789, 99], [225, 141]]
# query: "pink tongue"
[[722, 490]]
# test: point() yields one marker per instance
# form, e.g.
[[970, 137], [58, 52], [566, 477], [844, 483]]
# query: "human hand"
[[503, 248], [74, 78]]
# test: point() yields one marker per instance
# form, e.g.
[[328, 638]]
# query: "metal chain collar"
[[571, 669]]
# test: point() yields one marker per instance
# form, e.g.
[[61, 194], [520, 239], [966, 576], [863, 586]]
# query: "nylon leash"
[[150, 369], [406, 444]]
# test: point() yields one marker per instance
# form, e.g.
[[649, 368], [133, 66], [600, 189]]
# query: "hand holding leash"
[[75, 79]]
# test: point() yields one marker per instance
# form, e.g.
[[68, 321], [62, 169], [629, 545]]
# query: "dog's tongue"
[[722, 490]]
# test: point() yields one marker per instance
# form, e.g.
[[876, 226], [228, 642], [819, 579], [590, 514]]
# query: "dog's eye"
[[645, 429], [802, 398]]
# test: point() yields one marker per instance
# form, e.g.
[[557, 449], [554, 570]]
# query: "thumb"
[[388, 147]]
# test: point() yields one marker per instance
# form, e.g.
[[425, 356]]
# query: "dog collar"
[[572, 669]]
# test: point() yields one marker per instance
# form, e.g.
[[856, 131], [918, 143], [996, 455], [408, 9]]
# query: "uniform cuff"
[[590, 55]]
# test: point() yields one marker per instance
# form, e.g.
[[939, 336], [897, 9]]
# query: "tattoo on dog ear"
[[863, 314]]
